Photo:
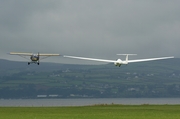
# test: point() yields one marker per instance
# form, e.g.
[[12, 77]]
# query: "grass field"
[[93, 112]]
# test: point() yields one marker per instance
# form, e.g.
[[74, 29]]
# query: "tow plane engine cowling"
[[118, 62]]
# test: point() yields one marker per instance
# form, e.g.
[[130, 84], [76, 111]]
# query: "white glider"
[[33, 57], [119, 62]]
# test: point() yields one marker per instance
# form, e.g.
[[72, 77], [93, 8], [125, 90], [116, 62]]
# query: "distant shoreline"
[[87, 102]]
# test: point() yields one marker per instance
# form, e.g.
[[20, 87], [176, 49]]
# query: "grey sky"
[[90, 28]]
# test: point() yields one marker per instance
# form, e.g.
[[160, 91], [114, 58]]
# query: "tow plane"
[[119, 62], [35, 58]]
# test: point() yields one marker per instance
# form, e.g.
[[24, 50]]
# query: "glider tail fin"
[[38, 58], [126, 61]]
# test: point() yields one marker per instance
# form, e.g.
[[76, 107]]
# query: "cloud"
[[96, 28]]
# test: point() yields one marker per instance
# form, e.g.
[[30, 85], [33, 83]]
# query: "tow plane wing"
[[20, 53], [29, 54]]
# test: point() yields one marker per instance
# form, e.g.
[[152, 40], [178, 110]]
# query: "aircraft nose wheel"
[[28, 63]]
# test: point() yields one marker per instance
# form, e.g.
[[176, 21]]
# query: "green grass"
[[93, 112]]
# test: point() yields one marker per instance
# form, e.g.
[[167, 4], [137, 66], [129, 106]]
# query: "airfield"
[[119, 108], [93, 112]]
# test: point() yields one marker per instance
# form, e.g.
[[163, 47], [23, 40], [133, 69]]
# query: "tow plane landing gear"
[[33, 62]]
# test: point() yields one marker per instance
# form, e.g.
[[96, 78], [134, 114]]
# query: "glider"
[[33, 57], [119, 62]]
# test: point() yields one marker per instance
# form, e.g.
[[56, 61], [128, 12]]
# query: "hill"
[[53, 80]]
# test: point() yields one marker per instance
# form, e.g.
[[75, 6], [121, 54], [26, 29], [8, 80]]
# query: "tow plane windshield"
[[35, 58]]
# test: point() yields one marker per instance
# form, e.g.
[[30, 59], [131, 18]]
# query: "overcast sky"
[[90, 28]]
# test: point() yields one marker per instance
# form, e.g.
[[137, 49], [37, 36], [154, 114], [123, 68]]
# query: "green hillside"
[[52, 80]]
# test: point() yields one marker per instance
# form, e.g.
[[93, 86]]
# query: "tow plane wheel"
[[38, 63], [28, 63]]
